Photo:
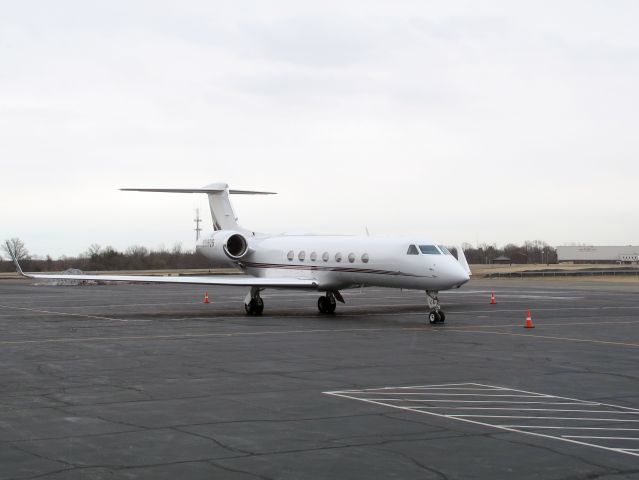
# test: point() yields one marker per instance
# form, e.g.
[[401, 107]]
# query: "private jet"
[[324, 263]]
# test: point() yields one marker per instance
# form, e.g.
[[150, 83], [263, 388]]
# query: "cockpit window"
[[444, 249], [412, 250], [429, 249]]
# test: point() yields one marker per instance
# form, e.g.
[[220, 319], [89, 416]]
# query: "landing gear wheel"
[[259, 306], [322, 304], [253, 303], [255, 306], [332, 306], [436, 317], [326, 304]]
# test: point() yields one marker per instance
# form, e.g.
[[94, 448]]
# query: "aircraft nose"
[[464, 277], [459, 273]]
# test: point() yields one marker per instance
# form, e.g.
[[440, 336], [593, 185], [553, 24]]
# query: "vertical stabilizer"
[[221, 209]]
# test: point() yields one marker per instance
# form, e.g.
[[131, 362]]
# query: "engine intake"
[[235, 246], [225, 247]]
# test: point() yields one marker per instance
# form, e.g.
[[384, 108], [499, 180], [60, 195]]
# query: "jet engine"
[[225, 245], [235, 246]]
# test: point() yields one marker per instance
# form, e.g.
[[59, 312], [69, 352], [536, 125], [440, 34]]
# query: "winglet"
[[17, 264], [461, 258]]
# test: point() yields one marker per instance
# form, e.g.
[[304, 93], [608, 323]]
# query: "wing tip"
[[17, 265]]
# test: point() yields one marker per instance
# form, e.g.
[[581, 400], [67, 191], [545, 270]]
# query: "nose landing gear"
[[436, 315]]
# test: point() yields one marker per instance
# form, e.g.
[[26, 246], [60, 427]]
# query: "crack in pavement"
[[214, 440], [235, 470]]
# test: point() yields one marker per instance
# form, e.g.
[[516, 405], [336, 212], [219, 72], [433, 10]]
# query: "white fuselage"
[[338, 262]]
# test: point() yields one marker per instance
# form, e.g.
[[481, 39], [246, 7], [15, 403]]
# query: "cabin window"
[[429, 250], [313, 256], [290, 255], [301, 256], [444, 249], [412, 250], [325, 256], [365, 258], [351, 257], [338, 257]]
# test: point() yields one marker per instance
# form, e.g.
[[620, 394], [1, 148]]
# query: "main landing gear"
[[435, 315], [327, 303], [253, 303]]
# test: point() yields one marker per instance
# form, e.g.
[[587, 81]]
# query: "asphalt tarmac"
[[146, 381]]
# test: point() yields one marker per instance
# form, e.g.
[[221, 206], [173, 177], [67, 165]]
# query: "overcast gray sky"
[[462, 120]]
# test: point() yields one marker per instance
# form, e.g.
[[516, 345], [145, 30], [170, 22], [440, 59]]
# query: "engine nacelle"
[[225, 245], [235, 246]]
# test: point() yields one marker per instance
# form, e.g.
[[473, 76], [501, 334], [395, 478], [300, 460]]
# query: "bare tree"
[[14, 248], [177, 248], [137, 251], [93, 251]]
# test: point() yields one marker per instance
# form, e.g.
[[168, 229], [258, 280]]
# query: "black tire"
[[323, 304], [433, 317], [259, 305], [254, 307], [332, 306], [442, 317]]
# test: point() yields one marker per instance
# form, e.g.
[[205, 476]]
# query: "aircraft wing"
[[229, 280]]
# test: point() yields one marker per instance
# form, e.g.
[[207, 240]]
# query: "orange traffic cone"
[[493, 300], [206, 297], [529, 322]]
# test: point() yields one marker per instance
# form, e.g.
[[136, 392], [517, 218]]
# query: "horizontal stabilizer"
[[222, 213], [196, 190]]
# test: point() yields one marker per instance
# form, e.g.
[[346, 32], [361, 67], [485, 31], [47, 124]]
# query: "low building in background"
[[598, 254], [515, 258], [503, 260]]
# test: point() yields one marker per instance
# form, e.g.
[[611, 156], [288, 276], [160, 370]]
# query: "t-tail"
[[222, 212]]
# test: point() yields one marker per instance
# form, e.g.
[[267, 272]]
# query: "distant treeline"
[[535, 251], [141, 258]]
